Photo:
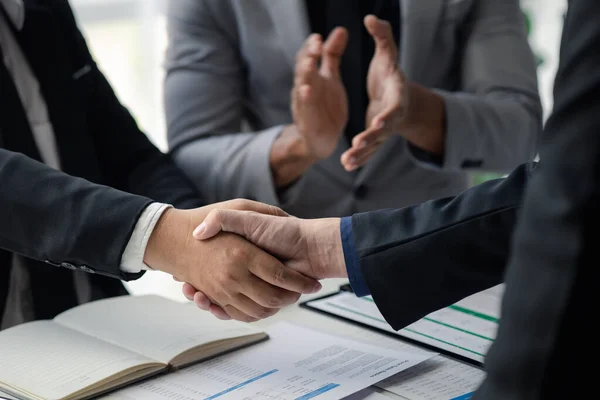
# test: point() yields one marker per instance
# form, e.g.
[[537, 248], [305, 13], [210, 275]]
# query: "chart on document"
[[467, 328]]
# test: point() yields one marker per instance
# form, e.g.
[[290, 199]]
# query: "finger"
[[250, 205], [272, 271], [351, 161], [250, 308], [305, 94], [202, 301], [188, 291], [234, 313], [382, 33], [370, 137], [237, 205], [267, 295], [306, 72], [312, 47], [218, 312], [333, 50], [242, 223]]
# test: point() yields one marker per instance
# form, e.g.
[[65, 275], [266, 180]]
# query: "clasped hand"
[[311, 248], [246, 282]]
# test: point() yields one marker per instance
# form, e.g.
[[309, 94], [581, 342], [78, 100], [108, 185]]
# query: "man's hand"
[[311, 247], [243, 280], [319, 108], [397, 106]]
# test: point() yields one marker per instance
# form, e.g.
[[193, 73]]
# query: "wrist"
[[424, 122], [166, 240], [290, 157], [325, 249]]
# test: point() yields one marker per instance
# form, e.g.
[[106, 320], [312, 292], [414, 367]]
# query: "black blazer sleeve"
[[128, 160], [419, 259], [100, 219]]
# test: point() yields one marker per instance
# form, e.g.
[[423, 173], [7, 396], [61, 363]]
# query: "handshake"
[[245, 260]]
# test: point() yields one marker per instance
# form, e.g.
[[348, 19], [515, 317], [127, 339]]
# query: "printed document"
[[467, 328], [296, 363], [438, 378]]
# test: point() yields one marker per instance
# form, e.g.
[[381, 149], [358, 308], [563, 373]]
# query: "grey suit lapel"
[[291, 23], [420, 22]]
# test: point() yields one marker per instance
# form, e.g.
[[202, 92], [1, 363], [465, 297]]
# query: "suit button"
[[360, 192], [87, 269], [68, 266]]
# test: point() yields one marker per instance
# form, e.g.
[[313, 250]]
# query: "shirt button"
[[87, 269], [68, 266], [360, 192]]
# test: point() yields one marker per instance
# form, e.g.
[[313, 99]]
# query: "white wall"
[[547, 18]]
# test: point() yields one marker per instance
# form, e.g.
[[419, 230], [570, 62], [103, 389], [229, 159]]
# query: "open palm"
[[319, 98]]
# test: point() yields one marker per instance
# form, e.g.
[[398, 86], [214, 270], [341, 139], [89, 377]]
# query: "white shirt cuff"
[[132, 261]]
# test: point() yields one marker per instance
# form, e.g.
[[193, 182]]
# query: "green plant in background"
[[478, 178]]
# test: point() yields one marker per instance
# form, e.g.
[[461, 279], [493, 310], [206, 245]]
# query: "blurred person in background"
[[406, 98]]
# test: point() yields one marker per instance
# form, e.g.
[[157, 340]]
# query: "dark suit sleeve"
[[546, 336], [128, 160], [419, 259], [101, 219]]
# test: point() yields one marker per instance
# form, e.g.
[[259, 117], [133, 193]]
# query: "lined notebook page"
[[52, 361], [154, 326]]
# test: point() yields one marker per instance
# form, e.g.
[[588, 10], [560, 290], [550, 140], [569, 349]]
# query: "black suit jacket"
[[81, 218], [419, 259]]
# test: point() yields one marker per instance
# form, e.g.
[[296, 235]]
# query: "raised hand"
[[319, 99], [388, 94], [311, 247], [245, 281]]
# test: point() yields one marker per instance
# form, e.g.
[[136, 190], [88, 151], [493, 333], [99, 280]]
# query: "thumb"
[[382, 33], [239, 222]]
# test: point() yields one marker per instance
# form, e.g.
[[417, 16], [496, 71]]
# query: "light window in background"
[[128, 40]]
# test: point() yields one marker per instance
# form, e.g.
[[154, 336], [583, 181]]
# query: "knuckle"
[[227, 279], [239, 254], [275, 301], [240, 204], [278, 275]]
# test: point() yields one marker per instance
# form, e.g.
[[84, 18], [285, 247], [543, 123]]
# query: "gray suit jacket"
[[231, 62]]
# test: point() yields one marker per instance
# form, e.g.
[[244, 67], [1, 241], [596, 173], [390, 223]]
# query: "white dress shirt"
[[18, 309]]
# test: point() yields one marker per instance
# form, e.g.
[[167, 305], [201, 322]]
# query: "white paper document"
[[467, 328], [295, 363], [435, 379]]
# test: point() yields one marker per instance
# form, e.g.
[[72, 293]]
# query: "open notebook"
[[104, 345]]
